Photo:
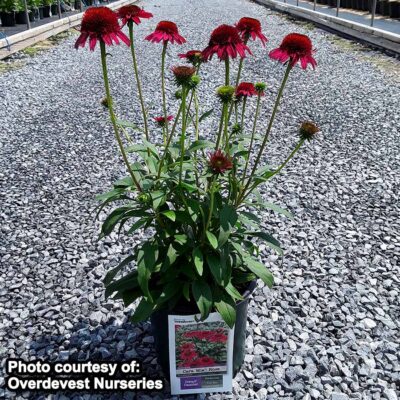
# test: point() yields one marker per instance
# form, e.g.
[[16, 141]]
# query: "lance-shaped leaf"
[[203, 297]]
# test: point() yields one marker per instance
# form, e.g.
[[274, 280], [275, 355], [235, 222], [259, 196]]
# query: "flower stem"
[[139, 85], [291, 155], [112, 115], [252, 136], [182, 141], [243, 111], [227, 80], [164, 52], [271, 121], [221, 124]]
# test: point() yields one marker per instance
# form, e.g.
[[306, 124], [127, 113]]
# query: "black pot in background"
[[41, 13], [20, 17], [46, 11], [365, 5], [7, 19], [31, 16], [394, 9], [159, 324], [385, 8], [54, 9], [324, 2]]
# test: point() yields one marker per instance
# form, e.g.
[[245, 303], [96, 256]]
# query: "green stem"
[[164, 52], [112, 115], [196, 106], [211, 205], [271, 121], [243, 111], [221, 124], [182, 143], [226, 123], [252, 136], [169, 141], [291, 155], [139, 85], [227, 80]]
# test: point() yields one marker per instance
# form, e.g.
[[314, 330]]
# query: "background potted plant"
[[195, 196], [7, 12], [47, 8], [20, 15]]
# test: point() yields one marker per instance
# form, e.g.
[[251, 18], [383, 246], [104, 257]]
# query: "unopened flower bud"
[[236, 129], [104, 102], [178, 94], [260, 87], [226, 94], [308, 130], [144, 198], [194, 82]]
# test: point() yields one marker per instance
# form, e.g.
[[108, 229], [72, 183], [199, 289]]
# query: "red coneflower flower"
[[162, 121], [183, 74], [132, 13], [166, 31], [245, 89], [193, 56], [219, 162], [295, 47], [225, 41], [100, 23], [251, 28]]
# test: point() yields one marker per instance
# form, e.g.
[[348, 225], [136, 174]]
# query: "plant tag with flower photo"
[[200, 354]]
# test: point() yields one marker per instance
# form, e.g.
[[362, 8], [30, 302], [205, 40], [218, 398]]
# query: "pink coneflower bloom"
[[183, 74], [132, 13], [100, 24], [225, 41], [166, 31], [245, 89], [295, 47], [193, 56], [250, 28], [219, 162], [162, 121]]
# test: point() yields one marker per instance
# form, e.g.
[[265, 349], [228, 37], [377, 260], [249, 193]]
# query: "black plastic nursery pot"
[[46, 11], [20, 17], [394, 9], [41, 12], [31, 16], [54, 9], [159, 324], [7, 19]]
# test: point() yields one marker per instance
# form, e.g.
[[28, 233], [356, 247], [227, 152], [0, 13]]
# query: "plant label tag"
[[200, 354]]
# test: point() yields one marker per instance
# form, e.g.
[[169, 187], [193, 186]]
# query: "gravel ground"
[[329, 328]]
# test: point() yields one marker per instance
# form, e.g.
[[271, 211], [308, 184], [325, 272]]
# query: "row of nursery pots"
[[390, 8], [19, 17]]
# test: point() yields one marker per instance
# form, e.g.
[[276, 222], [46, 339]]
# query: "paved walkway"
[[361, 17]]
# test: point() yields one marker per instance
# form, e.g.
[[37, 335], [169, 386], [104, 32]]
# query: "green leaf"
[[233, 292], [278, 209], [227, 308], [198, 260], [127, 282], [127, 124], [228, 218], [146, 261], [212, 239], [203, 297], [129, 296], [143, 311], [206, 114], [124, 182], [138, 224], [113, 273], [112, 220], [168, 291], [158, 198], [214, 263], [260, 270], [201, 144], [170, 214], [170, 258], [269, 240], [108, 195]]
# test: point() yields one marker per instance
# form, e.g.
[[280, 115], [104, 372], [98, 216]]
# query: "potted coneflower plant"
[[193, 195]]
